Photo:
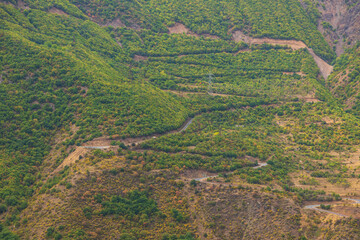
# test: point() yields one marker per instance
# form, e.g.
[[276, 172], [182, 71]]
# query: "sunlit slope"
[[56, 71], [277, 19]]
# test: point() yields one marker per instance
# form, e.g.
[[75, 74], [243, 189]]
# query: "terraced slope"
[[93, 92], [57, 71], [275, 19]]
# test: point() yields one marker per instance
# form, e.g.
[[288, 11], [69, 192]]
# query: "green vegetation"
[[263, 18], [148, 43], [68, 77], [344, 81], [259, 73], [57, 71], [135, 203], [325, 207]]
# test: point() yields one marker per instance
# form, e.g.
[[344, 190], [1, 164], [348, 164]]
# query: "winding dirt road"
[[260, 165], [317, 208], [238, 36], [325, 68], [104, 143]]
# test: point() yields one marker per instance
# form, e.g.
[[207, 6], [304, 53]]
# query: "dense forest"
[[111, 124]]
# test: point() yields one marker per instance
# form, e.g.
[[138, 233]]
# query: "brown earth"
[[20, 4], [138, 58], [116, 23], [347, 208], [351, 160], [308, 98], [180, 28], [55, 10], [238, 36], [324, 67]]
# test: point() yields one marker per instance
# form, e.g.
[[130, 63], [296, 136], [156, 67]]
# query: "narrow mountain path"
[[96, 147], [260, 165], [105, 142], [238, 36], [317, 208], [186, 125]]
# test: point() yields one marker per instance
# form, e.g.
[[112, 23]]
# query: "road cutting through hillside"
[[238, 36], [104, 143], [325, 68], [317, 208], [260, 165]]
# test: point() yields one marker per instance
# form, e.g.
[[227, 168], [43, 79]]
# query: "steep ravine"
[[344, 19]]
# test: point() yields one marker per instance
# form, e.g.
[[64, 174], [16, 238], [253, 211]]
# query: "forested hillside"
[[344, 82], [147, 120], [58, 71], [264, 18]]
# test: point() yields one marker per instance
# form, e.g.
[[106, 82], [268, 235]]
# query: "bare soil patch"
[[98, 142], [21, 4], [292, 73], [191, 174], [238, 36], [116, 23], [180, 28], [72, 158], [55, 10], [325, 68], [138, 58], [353, 162], [293, 44]]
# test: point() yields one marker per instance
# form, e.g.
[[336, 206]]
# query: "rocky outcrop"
[[340, 23]]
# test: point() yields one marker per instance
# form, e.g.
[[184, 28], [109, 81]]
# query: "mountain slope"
[[92, 93], [265, 18], [340, 23], [53, 75], [344, 82]]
